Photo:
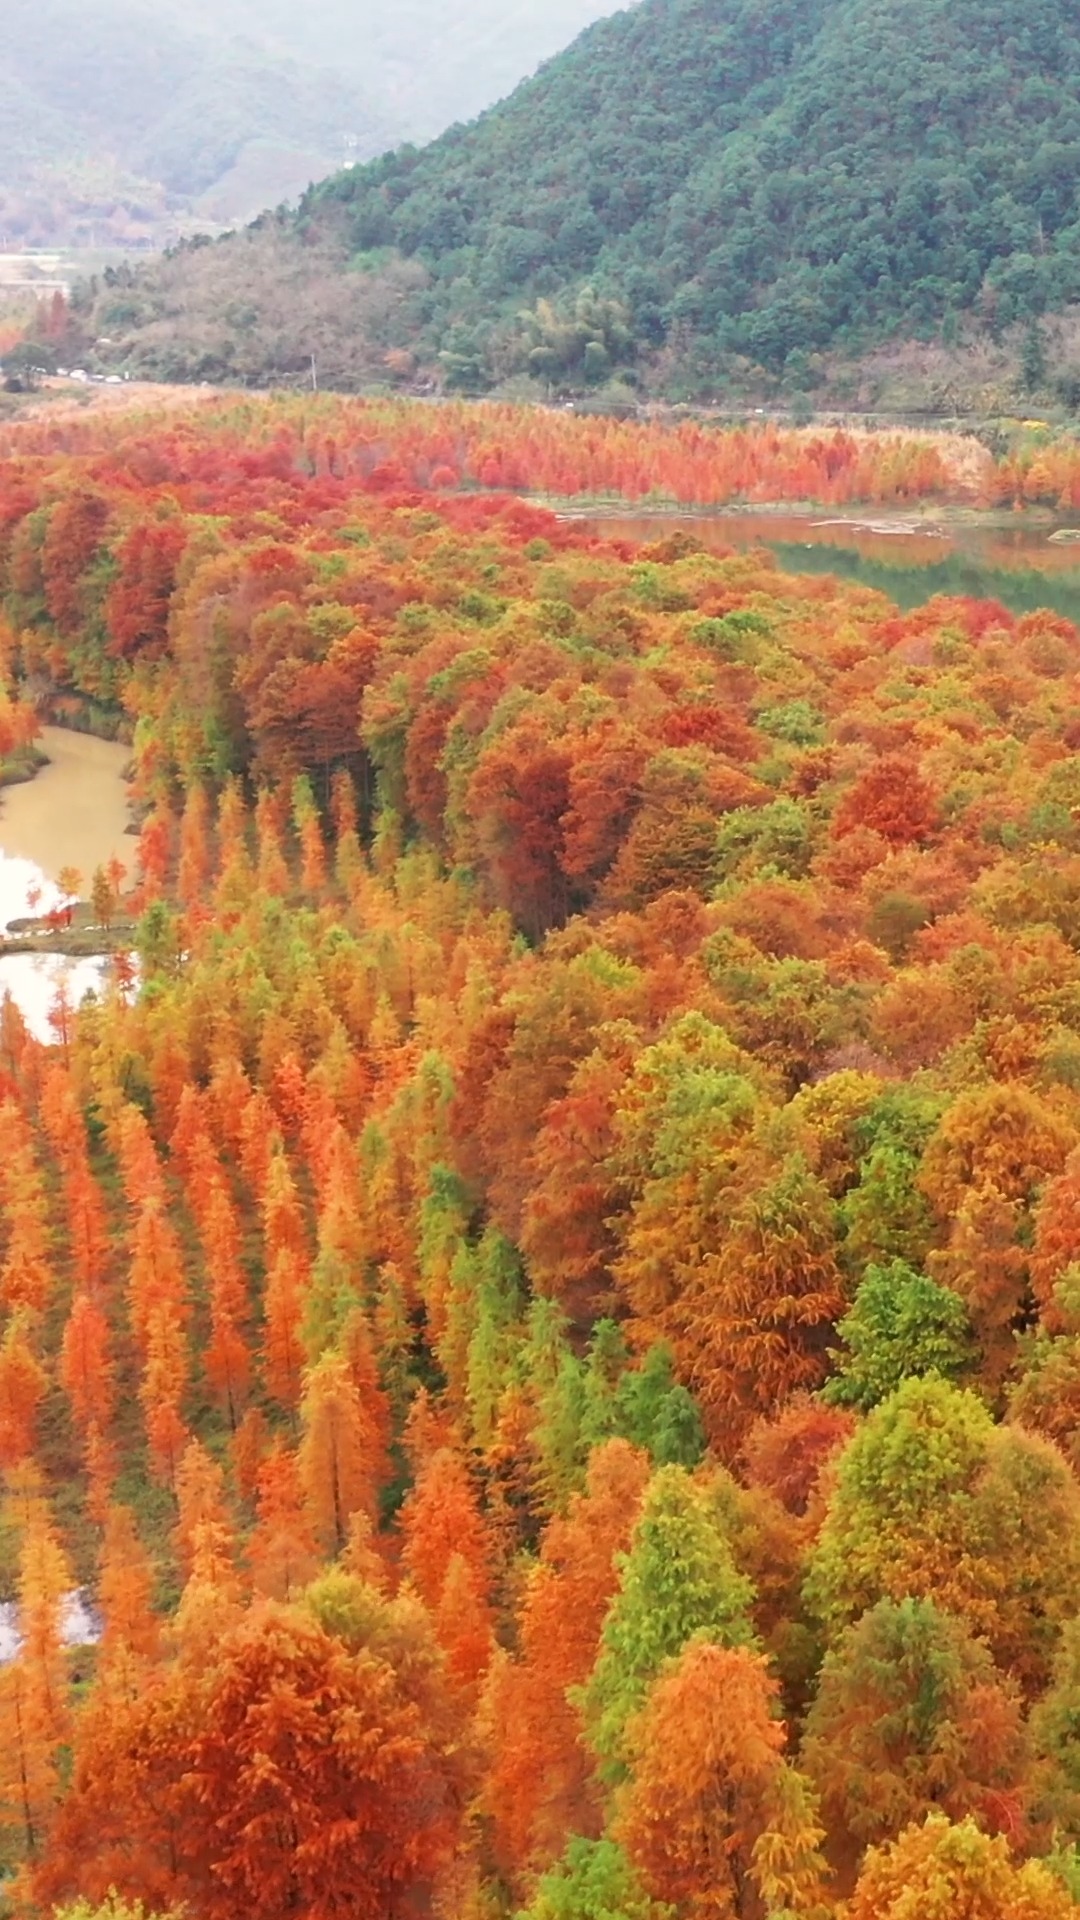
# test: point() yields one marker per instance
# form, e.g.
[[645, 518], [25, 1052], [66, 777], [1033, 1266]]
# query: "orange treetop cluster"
[[384, 445], [549, 1325]]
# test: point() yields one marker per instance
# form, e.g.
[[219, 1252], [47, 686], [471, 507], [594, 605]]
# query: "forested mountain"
[[119, 117], [694, 185]]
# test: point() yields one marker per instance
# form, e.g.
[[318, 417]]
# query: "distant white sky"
[[435, 61]]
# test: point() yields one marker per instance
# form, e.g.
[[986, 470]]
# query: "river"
[[80, 1624], [72, 814], [997, 557]]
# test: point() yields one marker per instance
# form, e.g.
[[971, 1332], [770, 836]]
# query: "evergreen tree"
[[900, 1324], [678, 1579]]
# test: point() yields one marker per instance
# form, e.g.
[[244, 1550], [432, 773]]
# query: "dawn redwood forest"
[[541, 1304]]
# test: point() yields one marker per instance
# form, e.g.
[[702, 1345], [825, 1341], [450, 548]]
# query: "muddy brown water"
[[1009, 558], [72, 814]]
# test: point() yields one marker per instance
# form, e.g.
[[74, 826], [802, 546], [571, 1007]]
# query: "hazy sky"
[[437, 60], [229, 106]]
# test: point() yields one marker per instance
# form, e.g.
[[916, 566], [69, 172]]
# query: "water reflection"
[[910, 581], [34, 980], [910, 562], [73, 814]]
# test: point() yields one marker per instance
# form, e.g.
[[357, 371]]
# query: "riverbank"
[[71, 815], [22, 764], [914, 516], [84, 939], [63, 812]]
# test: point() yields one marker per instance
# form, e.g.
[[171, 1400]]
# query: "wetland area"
[[74, 813]]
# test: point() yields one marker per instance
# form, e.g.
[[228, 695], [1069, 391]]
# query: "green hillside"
[[735, 182]]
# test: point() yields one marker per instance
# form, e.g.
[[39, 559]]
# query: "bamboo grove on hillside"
[[561, 1288]]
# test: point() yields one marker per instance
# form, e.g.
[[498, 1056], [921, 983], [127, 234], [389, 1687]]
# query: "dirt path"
[[71, 400]]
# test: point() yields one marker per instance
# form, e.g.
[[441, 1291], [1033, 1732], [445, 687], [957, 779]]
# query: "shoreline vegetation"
[[85, 939], [21, 765], [75, 929], [578, 462], [915, 517]]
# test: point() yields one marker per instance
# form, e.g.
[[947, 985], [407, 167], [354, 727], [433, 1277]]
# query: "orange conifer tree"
[[282, 1548], [704, 1811], [34, 1710], [339, 1451]]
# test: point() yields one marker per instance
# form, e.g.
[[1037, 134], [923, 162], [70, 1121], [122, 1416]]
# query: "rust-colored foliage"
[[703, 1815], [891, 799], [539, 1790], [582, 989], [249, 1803]]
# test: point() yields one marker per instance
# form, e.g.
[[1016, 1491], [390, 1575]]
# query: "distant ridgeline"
[[694, 186], [119, 120], [125, 121], [122, 119]]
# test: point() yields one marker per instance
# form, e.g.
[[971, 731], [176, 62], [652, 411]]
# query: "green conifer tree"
[[678, 1579]]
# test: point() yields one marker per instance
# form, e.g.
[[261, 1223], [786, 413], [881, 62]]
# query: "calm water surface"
[[910, 562], [73, 814]]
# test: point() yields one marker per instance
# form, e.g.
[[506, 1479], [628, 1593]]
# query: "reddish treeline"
[[392, 444]]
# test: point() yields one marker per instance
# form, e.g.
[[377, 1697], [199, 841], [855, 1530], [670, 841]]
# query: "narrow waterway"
[[72, 814]]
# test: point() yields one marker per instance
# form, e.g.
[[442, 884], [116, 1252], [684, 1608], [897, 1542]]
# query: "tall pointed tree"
[[707, 1758], [339, 1451], [679, 1580]]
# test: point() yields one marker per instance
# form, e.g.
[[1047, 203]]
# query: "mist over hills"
[[694, 185], [123, 119], [428, 62]]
